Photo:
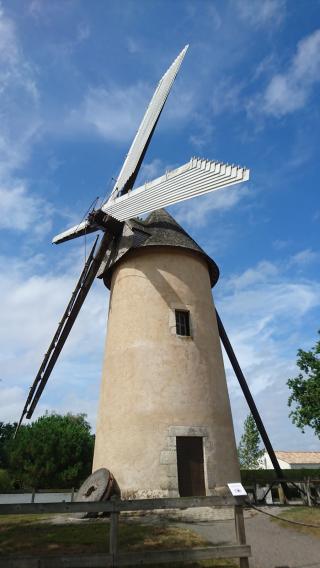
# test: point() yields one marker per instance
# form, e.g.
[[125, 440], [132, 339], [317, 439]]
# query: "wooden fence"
[[115, 506], [308, 491]]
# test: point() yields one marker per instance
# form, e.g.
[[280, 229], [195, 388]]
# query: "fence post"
[[240, 532], [33, 495], [308, 492], [113, 536], [282, 497], [72, 495]]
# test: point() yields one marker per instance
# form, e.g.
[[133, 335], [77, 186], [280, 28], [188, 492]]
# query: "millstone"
[[96, 487]]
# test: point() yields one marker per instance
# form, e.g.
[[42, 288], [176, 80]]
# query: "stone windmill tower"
[[164, 425]]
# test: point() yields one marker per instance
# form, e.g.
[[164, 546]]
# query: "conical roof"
[[159, 229]]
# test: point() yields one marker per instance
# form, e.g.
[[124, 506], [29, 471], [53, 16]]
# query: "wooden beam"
[[127, 558], [118, 506], [240, 533]]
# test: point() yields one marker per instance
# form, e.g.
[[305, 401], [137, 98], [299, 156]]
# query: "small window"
[[182, 322]]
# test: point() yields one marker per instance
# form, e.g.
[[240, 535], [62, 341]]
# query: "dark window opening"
[[182, 322], [190, 466]]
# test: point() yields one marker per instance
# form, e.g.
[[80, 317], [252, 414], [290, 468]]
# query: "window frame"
[[182, 326]]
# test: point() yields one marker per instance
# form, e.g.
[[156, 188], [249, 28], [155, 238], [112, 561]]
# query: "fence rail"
[[114, 558], [117, 505], [308, 491]]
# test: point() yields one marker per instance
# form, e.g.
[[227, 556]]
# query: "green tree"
[[305, 390], [249, 451], [6, 433], [53, 452]]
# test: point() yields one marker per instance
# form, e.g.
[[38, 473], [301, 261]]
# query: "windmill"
[[156, 409]]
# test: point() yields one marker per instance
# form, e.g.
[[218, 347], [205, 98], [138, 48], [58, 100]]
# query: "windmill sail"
[[83, 228], [197, 177], [131, 165], [78, 297], [124, 183]]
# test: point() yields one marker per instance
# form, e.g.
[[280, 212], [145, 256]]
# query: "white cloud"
[[35, 8], [19, 96], [115, 112], [151, 170], [265, 313], [21, 211], [260, 13], [33, 301], [180, 106], [227, 96], [12, 402], [291, 90], [14, 68], [213, 16], [304, 257], [204, 130], [83, 32], [280, 244], [133, 45], [9, 52], [198, 210], [258, 274], [20, 123], [279, 297]]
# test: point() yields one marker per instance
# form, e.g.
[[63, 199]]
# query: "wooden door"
[[190, 466]]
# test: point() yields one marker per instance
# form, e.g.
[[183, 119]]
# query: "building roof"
[[159, 229], [299, 457]]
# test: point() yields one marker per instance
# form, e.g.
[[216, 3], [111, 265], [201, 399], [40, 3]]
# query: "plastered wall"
[[157, 385]]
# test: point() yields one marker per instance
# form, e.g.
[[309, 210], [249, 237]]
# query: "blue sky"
[[75, 78]]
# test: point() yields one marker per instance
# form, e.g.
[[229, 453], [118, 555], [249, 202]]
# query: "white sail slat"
[[197, 177], [147, 124], [79, 230]]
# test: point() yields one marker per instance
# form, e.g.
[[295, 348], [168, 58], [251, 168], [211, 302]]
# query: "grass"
[[307, 515], [38, 535]]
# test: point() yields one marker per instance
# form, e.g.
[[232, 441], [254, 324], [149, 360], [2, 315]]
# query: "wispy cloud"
[[203, 130], [290, 91], [151, 170], [36, 8], [227, 96], [83, 32], [133, 45], [9, 50], [33, 301], [285, 92], [264, 309], [115, 112], [304, 257], [199, 210], [260, 302], [261, 13], [21, 211], [280, 244], [19, 97], [15, 69], [281, 297]]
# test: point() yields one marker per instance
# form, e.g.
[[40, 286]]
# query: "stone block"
[[187, 431], [168, 457], [171, 442], [172, 470]]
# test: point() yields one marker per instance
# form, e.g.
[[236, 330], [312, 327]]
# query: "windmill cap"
[[159, 229]]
